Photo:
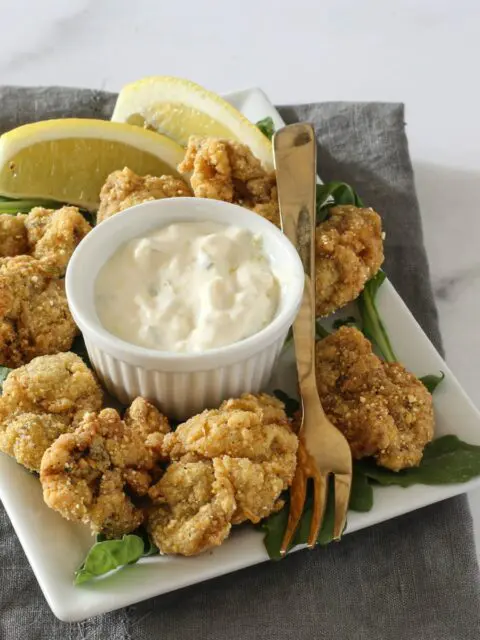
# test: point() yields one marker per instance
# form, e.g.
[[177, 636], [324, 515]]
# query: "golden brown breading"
[[89, 475], [383, 410], [27, 436], [124, 189], [34, 316], [59, 384], [227, 170], [194, 506], [349, 251], [257, 485], [145, 419], [53, 236], [251, 440], [42, 400], [13, 235]]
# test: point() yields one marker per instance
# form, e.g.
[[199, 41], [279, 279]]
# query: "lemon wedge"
[[179, 108], [68, 160]]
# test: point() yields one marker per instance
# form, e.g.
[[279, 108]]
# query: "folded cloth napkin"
[[415, 577]]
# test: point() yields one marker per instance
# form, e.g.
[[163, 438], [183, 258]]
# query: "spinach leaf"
[[361, 493], [346, 322], [8, 205], [326, 532], [274, 527], [150, 548], [107, 555], [447, 460], [4, 371], [334, 193], [267, 127], [432, 381], [373, 326], [291, 404]]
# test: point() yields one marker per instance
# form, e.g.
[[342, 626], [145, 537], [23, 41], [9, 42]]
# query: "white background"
[[422, 52]]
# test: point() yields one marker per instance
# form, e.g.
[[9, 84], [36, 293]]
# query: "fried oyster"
[[43, 400], [94, 474], [54, 234], [51, 235], [34, 316], [13, 235], [349, 251], [227, 170], [194, 504], [245, 455], [124, 189], [383, 410]]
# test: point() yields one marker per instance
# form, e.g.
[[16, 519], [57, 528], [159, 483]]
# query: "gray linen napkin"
[[414, 577]]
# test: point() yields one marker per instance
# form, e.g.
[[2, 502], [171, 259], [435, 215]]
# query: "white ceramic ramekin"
[[181, 384]]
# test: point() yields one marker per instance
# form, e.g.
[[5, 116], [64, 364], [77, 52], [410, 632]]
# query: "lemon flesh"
[[178, 122], [179, 108], [69, 161]]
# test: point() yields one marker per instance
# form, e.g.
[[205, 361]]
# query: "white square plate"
[[55, 547]]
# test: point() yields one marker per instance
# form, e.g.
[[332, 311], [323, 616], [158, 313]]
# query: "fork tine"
[[320, 484], [343, 482], [298, 492]]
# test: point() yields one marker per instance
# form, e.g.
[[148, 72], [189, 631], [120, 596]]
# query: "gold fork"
[[323, 450]]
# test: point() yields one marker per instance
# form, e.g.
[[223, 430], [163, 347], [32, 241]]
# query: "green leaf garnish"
[[361, 493], [432, 381], [4, 371], [150, 548], [332, 194], [291, 404], [107, 555], [267, 127], [346, 322], [10, 206], [373, 326], [447, 460]]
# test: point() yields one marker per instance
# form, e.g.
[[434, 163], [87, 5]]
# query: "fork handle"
[[295, 162]]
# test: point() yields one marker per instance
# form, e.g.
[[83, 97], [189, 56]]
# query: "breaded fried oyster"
[[43, 400], [251, 442], [124, 189], [51, 235], [94, 474], [54, 234], [349, 251], [13, 235], [227, 170], [34, 316], [383, 410], [194, 504]]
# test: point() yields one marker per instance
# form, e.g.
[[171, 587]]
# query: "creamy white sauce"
[[188, 287]]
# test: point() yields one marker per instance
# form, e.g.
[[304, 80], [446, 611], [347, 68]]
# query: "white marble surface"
[[421, 52]]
